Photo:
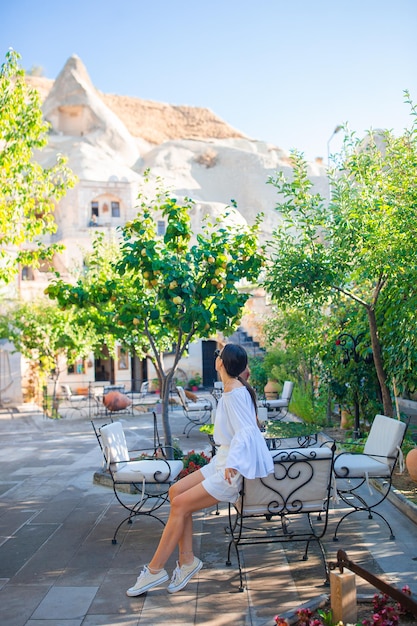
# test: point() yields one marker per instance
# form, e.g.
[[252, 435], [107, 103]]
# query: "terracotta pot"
[[271, 390], [411, 463], [116, 401], [345, 419]]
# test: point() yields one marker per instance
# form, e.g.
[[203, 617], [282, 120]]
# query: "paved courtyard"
[[58, 566]]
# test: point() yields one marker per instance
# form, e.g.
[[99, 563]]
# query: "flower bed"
[[381, 611], [192, 462]]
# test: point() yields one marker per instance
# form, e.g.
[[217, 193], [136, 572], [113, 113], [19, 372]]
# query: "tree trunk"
[[166, 384], [382, 377]]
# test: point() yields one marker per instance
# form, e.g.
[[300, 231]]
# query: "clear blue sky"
[[283, 71]]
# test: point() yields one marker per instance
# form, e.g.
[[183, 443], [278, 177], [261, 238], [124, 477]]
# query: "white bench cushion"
[[299, 483]]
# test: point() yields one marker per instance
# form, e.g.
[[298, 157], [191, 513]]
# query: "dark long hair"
[[235, 361]]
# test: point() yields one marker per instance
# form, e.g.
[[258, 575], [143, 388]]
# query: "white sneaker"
[[182, 575], [146, 580]]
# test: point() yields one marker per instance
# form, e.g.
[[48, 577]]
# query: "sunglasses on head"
[[217, 353]]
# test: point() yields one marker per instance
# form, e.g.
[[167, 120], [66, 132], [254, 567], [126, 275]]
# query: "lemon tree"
[[160, 292]]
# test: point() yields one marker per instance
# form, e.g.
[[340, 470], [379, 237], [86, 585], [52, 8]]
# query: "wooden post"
[[343, 597]]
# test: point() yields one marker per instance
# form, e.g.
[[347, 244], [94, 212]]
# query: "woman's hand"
[[229, 473]]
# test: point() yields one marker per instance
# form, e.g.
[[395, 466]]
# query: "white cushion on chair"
[[359, 466], [198, 406], [150, 470], [384, 438], [114, 443], [275, 404], [192, 406]]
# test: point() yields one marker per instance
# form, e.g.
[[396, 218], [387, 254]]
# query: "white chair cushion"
[[198, 406], [287, 390], [182, 396], [192, 406], [359, 466], [114, 443], [276, 404], [152, 471], [384, 438]]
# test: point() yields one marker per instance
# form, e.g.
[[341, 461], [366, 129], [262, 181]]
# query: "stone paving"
[[59, 567]]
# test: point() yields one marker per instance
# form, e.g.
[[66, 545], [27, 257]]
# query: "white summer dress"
[[242, 446]]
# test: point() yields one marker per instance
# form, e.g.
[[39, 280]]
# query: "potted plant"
[[195, 382], [155, 385]]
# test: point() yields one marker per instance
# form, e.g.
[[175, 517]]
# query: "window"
[[160, 227], [77, 367], [122, 359], [115, 209], [94, 208], [27, 273]]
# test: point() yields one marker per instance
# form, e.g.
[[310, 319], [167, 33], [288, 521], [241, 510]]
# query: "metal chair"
[[141, 472], [72, 404], [197, 413], [284, 502], [278, 409], [354, 472]]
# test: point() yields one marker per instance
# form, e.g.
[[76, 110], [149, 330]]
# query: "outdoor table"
[[287, 435]]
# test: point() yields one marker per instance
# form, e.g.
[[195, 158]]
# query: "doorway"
[[209, 370]]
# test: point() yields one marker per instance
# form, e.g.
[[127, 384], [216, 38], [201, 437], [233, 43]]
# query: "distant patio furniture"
[[278, 409], [355, 472], [72, 404], [144, 389], [145, 472], [197, 413]]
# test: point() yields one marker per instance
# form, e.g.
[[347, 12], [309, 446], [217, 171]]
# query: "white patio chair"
[[355, 472], [197, 413], [284, 503], [278, 409], [144, 389], [149, 476]]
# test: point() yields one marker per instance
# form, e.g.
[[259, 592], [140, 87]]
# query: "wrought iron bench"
[[284, 503]]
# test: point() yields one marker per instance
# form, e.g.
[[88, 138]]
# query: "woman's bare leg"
[[178, 529], [185, 543]]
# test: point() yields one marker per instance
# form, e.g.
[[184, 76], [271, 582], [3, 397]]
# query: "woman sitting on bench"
[[242, 451]]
